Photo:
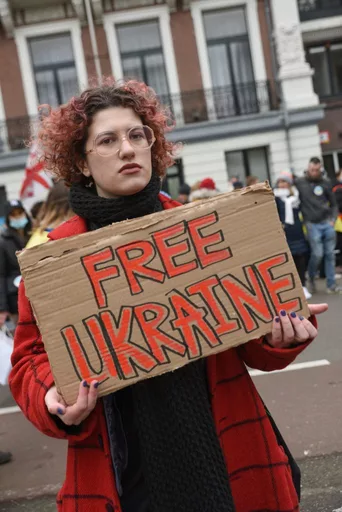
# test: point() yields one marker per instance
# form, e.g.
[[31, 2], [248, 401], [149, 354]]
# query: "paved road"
[[306, 405]]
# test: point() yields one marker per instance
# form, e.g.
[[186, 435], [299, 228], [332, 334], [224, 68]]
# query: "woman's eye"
[[107, 141]]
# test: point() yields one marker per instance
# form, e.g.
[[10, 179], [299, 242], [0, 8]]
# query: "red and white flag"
[[37, 181]]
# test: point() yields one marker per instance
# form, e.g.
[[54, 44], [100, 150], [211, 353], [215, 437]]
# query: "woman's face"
[[111, 177], [283, 184]]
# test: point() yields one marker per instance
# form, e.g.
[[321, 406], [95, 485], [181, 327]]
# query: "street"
[[305, 403]]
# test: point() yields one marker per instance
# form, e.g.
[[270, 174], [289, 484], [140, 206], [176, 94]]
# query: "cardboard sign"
[[147, 296]]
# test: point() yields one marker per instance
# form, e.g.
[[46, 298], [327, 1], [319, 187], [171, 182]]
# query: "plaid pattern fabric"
[[258, 468]]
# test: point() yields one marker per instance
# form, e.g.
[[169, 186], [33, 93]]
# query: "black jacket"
[[10, 242], [318, 203]]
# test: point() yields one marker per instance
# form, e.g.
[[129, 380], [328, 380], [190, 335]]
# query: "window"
[[327, 62], [142, 54], [248, 162], [173, 179], [54, 68], [230, 62], [329, 166]]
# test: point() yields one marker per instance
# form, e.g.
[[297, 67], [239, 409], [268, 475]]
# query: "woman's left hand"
[[291, 329]]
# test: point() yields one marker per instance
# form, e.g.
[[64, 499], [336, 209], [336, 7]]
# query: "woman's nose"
[[126, 148]]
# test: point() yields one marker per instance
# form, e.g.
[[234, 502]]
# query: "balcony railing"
[[200, 106], [313, 9], [222, 102]]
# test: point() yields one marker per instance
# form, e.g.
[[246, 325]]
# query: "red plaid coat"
[[258, 468]]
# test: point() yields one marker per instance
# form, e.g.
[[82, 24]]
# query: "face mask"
[[18, 223]]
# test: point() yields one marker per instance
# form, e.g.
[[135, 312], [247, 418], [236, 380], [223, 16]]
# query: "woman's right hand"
[[73, 414]]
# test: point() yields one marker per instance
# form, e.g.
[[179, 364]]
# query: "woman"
[[54, 212], [197, 439], [288, 204], [12, 239], [338, 225]]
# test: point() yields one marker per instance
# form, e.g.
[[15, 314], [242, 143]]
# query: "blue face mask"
[[18, 223]]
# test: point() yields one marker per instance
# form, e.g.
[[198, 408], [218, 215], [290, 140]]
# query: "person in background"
[[337, 190], [34, 213], [13, 238], [251, 180], [288, 204], [237, 185], [206, 190], [318, 205], [184, 193], [54, 212], [231, 181]]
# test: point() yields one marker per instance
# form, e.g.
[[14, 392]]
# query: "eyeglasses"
[[109, 143]]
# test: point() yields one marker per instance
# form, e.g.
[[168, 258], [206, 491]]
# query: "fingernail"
[[85, 384], [277, 319], [96, 385], [293, 315], [283, 312], [301, 318], [60, 411]]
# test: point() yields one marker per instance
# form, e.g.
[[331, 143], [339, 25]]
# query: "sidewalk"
[[38, 462]]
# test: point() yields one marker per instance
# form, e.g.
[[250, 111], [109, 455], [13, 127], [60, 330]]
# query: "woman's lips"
[[131, 170]]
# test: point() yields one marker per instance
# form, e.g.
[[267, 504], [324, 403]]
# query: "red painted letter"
[[77, 353], [207, 293], [191, 323], [129, 356], [203, 242], [247, 302], [168, 252], [97, 276], [275, 286], [136, 264], [157, 340]]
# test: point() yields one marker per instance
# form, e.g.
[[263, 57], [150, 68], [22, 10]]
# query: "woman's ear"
[[83, 168]]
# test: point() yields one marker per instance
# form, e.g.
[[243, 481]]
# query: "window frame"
[[244, 151], [180, 174], [53, 67], [327, 48], [22, 36], [162, 14], [198, 8]]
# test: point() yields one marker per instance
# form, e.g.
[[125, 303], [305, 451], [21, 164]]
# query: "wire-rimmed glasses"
[[109, 143]]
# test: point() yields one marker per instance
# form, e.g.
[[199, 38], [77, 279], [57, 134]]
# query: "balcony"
[[314, 9], [219, 103]]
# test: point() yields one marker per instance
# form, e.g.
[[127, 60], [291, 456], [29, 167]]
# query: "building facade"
[[321, 26], [235, 74]]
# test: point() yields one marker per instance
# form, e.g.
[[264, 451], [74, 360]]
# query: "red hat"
[[208, 183]]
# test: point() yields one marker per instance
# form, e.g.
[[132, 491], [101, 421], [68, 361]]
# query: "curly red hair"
[[63, 131]]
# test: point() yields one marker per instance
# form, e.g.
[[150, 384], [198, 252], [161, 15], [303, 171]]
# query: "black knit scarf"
[[183, 464]]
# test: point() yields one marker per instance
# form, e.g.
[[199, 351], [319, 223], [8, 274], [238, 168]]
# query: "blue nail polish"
[[96, 385], [283, 312], [85, 384], [277, 319], [293, 315], [301, 318], [60, 411]]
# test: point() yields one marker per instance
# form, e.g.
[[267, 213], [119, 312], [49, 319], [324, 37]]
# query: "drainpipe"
[[93, 40], [275, 70]]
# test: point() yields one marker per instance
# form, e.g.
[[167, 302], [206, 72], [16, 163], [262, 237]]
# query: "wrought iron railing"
[[187, 107], [313, 9], [222, 102]]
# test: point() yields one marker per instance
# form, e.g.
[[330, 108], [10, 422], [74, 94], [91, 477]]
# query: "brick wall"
[[10, 79], [102, 48]]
